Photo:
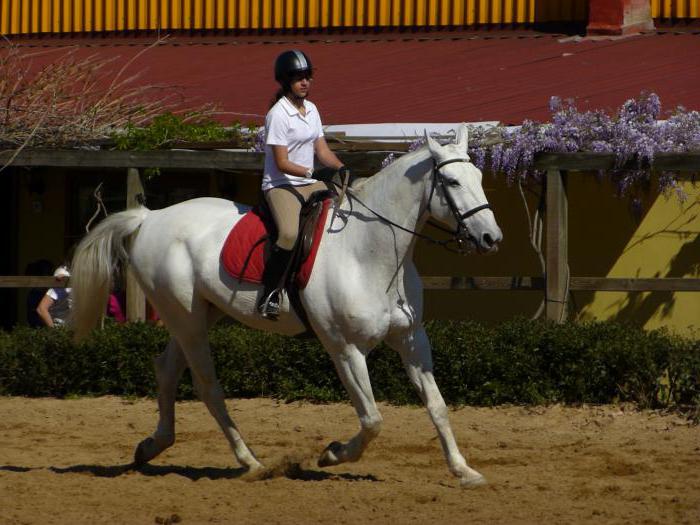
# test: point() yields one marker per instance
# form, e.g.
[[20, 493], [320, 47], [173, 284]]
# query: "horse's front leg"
[[351, 365], [415, 352]]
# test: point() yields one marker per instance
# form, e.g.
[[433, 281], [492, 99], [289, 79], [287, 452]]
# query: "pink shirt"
[[114, 309]]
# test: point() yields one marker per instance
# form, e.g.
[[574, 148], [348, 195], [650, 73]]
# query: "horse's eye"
[[453, 182]]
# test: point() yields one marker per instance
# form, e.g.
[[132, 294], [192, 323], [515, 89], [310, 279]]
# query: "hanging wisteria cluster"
[[634, 135]]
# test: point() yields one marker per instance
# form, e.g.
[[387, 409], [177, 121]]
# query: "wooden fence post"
[[557, 262], [135, 299]]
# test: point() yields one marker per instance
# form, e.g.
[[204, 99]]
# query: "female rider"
[[293, 134]]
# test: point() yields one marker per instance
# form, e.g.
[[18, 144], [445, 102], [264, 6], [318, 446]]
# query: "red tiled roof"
[[508, 78]]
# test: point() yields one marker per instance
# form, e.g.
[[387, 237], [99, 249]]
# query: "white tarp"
[[399, 130]]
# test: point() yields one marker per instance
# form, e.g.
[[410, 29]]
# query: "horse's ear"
[[433, 144], [463, 136]]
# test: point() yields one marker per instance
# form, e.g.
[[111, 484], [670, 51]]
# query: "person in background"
[[54, 307], [116, 303], [114, 307]]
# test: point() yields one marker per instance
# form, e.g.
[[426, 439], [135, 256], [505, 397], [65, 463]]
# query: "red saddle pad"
[[244, 250]]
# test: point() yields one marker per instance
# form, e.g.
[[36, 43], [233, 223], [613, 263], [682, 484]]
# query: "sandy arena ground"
[[66, 461]]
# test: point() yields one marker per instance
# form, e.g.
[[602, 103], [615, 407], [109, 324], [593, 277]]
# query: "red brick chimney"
[[619, 17]]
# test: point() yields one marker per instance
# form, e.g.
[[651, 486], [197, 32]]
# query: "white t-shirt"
[[62, 302], [285, 126]]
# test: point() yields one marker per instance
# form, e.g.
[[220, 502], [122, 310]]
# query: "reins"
[[458, 236]]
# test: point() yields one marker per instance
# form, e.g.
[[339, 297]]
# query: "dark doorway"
[[8, 242]]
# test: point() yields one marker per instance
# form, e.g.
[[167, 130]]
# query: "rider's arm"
[[325, 155], [287, 166], [43, 310]]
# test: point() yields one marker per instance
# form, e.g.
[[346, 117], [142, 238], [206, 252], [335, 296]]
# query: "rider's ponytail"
[[278, 95]]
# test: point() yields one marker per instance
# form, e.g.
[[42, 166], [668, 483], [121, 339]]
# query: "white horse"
[[364, 289]]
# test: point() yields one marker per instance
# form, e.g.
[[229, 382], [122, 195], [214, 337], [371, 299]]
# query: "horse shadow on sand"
[[289, 470]]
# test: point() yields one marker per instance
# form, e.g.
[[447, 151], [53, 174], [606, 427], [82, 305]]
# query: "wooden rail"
[[357, 157], [503, 284], [250, 161], [556, 282], [683, 162]]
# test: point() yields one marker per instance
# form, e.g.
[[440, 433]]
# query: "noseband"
[[438, 179]]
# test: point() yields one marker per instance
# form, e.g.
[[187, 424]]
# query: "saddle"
[[247, 246]]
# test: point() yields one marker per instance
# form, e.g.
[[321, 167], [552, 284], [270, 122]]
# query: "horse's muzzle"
[[487, 241]]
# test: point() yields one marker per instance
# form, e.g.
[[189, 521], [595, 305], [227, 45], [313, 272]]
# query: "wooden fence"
[[556, 283]]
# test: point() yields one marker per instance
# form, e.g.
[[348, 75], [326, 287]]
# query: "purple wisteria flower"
[[388, 160], [635, 135], [259, 140]]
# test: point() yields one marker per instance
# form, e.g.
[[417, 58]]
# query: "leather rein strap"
[[459, 235]]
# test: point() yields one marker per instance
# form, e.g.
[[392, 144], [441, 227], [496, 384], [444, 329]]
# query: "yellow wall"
[[666, 244], [606, 239], [74, 16]]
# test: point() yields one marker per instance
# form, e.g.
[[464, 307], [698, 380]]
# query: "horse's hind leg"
[[352, 369], [169, 367], [210, 391], [191, 333], [187, 319], [415, 352]]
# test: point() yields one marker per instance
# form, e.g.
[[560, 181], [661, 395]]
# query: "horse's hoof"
[[472, 482], [146, 451], [254, 466], [329, 457]]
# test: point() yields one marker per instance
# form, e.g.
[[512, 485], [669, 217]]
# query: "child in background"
[[54, 307]]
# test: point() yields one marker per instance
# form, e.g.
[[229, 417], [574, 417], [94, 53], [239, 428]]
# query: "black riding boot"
[[275, 267]]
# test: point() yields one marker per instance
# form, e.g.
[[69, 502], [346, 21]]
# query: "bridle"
[[458, 236], [438, 179]]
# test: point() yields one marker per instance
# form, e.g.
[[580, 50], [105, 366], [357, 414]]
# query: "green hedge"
[[514, 362]]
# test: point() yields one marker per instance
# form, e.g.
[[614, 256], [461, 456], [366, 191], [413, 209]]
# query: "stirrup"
[[269, 308]]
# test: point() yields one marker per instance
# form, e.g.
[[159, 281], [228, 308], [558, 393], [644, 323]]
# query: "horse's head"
[[455, 196]]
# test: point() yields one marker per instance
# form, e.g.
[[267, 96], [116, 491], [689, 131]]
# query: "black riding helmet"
[[291, 63]]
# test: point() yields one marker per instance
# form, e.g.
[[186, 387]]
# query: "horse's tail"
[[94, 264]]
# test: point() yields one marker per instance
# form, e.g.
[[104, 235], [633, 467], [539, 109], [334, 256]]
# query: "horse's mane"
[[402, 164]]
